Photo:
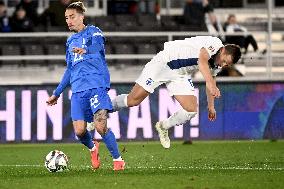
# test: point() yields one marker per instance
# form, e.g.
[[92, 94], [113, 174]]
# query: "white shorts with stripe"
[[157, 72]]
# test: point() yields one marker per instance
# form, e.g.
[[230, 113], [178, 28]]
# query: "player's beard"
[[73, 30]]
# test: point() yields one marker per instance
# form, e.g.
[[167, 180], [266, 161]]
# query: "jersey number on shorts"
[[94, 101]]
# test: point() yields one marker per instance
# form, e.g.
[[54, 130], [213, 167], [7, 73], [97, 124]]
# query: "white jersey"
[[182, 55], [175, 64]]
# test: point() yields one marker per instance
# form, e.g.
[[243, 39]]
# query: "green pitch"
[[205, 165]]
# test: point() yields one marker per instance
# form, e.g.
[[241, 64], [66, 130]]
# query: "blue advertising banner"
[[245, 111]]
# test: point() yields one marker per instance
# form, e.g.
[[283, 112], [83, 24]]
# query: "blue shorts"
[[86, 103]]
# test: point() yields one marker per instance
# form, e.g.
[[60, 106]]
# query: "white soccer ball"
[[56, 161]]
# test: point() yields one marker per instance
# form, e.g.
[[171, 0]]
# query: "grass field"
[[205, 165]]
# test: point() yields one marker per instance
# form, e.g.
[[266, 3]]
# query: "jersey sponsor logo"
[[211, 48], [149, 81]]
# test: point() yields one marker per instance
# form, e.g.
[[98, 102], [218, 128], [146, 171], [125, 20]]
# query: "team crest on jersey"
[[149, 81], [211, 49]]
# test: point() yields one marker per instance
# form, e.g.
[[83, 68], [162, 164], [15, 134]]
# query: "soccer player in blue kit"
[[89, 77]]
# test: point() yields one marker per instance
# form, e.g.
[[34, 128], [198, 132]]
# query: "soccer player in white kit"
[[173, 67]]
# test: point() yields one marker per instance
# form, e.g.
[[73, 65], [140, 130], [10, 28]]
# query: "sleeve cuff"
[[56, 93]]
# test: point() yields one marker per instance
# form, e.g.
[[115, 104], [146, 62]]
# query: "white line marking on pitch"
[[172, 168]]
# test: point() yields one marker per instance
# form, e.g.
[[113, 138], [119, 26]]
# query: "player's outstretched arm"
[[65, 81], [211, 107], [205, 71], [52, 100]]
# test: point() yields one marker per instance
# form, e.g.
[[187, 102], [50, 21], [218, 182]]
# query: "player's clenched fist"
[[79, 50], [212, 114], [52, 100]]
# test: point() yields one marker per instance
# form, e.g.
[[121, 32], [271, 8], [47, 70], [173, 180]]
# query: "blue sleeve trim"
[[179, 63]]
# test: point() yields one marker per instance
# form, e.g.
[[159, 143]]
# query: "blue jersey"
[[89, 70]]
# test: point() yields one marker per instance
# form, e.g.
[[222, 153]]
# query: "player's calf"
[[178, 118]]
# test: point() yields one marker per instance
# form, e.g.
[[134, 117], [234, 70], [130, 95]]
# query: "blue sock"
[[111, 144], [87, 140]]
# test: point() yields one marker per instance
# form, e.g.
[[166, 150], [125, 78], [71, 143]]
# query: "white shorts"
[[156, 72]]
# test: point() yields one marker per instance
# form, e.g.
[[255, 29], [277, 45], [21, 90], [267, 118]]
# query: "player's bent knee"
[[190, 109], [79, 128], [79, 132]]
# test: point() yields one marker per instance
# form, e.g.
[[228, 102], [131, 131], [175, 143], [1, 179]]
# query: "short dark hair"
[[78, 6], [2, 3], [234, 51], [230, 16]]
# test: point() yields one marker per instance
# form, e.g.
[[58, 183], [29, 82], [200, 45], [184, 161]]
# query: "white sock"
[[178, 118], [118, 159], [119, 102], [93, 149]]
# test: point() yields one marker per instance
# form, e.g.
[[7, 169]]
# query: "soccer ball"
[[56, 161]]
